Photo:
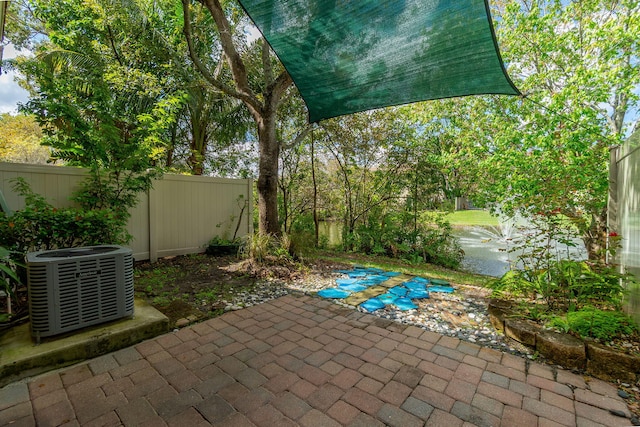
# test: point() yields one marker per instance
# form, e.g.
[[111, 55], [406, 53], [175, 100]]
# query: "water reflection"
[[487, 249]]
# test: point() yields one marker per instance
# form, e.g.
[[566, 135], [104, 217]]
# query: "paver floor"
[[300, 360]]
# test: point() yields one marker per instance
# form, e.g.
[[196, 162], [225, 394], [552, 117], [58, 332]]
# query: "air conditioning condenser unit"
[[73, 288]]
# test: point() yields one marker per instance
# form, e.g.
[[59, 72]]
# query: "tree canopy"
[[149, 84]]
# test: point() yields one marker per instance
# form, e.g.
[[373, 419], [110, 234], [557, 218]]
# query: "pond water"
[[486, 250]]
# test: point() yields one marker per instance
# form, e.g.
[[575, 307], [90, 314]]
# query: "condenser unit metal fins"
[[73, 288]]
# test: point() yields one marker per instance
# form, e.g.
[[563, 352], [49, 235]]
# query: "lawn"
[[472, 217]]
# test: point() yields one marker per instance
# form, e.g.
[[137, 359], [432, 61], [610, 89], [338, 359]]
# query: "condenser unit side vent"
[[73, 288]]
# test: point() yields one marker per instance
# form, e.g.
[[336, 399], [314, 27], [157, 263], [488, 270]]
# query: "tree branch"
[[277, 88], [248, 98], [113, 46], [302, 135], [266, 64], [233, 58]]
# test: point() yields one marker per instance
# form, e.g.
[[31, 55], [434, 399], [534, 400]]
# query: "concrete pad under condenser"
[[21, 356]]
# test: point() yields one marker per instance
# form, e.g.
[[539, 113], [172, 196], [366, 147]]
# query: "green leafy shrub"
[[263, 248], [40, 226], [565, 285], [604, 325], [8, 275], [303, 236], [429, 239], [219, 246]]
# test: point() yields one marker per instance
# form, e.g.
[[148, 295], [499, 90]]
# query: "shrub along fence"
[[178, 216], [624, 213]]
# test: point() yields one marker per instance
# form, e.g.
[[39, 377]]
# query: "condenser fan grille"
[[84, 287]]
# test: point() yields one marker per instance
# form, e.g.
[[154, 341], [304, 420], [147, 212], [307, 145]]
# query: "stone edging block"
[[608, 364], [564, 349]]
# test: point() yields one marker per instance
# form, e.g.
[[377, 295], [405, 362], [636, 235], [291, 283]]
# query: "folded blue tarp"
[[352, 287], [447, 289], [413, 285], [372, 304], [334, 293], [418, 294], [358, 273], [388, 298], [399, 291], [404, 304]]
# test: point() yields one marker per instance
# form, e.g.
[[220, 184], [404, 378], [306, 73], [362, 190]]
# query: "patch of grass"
[[472, 217], [210, 295], [161, 301], [155, 280], [390, 264], [604, 325]]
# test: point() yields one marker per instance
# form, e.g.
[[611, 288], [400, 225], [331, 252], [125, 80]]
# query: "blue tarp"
[[352, 287], [354, 274], [418, 294], [388, 298], [404, 304], [372, 304], [399, 291], [391, 273], [414, 285], [333, 293], [346, 281]]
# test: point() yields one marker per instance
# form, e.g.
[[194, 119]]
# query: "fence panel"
[[187, 211], [628, 216], [179, 215]]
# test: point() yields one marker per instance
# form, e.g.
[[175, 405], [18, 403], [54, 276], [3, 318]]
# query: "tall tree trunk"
[[263, 106], [198, 143], [268, 174], [595, 238], [315, 191]]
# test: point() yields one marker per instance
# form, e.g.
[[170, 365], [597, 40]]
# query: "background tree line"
[[136, 87]]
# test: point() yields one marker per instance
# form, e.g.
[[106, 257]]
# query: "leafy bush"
[[262, 247], [8, 273], [566, 285], [218, 246], [604, 325], [40, 226], [303, 236], [429, 239]]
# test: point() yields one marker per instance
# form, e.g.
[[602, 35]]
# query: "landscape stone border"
[[563, 349]]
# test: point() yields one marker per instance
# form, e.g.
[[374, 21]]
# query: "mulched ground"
[[201, 285]]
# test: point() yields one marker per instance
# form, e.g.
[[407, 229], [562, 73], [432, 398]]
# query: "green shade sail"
[[347, 56]]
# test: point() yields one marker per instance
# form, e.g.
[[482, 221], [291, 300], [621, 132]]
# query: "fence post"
[[153, 224], [250, 210], [612, 198]]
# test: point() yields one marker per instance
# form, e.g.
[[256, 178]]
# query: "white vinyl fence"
[[178, 216], [624, 213]]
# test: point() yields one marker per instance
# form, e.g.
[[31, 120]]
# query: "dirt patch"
[[199, 286]]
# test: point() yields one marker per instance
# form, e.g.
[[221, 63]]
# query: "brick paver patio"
[[300, 360]]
